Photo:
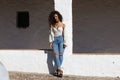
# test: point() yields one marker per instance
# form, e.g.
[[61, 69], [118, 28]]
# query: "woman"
[[57, 40]]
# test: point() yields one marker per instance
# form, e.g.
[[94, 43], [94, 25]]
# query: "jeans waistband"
[[58, 36]]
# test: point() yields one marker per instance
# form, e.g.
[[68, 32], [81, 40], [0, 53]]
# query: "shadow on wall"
[[50, 61]]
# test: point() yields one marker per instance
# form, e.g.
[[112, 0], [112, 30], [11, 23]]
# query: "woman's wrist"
[[50, 42]]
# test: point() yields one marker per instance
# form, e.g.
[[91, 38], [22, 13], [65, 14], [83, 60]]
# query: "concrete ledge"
[[40, 61]]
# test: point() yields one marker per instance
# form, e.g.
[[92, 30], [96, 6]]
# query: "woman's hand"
[[64, 46], [51, 46]]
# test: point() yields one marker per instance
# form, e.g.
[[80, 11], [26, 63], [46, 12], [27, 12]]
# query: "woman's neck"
[[58, 22]]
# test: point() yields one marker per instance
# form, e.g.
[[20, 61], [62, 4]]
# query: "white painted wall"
[[65, 8], [3, 72], [39, 61]]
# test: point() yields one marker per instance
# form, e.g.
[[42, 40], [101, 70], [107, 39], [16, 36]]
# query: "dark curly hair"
[[51, 18]]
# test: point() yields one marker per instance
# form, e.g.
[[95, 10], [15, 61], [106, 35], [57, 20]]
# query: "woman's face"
[[56, 17]]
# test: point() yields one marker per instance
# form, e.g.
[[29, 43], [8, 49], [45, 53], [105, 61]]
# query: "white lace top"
[[54, 32], [58, 31]]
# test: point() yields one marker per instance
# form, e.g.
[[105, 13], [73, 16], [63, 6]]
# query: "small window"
[[23, 19]]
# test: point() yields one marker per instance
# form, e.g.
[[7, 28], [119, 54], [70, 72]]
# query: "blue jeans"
[[58, 50]]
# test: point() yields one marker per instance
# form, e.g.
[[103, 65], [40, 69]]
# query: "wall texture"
[[3, 72], [41, 61], [33, 37], [96, 26]]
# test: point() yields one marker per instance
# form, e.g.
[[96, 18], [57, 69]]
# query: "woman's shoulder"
[[51, 26], [63, 25]]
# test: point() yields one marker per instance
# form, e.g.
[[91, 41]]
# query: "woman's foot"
[[56, 73], [60, 73]]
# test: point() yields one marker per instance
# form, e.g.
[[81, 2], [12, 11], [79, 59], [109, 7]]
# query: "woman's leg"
[[61, 50], [57, 60], [61, 59], [56, 53]]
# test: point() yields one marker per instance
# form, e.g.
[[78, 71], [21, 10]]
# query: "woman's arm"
[[64, 35], [51, 36]]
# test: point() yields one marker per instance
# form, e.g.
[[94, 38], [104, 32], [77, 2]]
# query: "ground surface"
[[30, 76]]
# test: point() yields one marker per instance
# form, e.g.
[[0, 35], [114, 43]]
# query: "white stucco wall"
[[40, 61], [65, 8], [3, 72], [37, 61]]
